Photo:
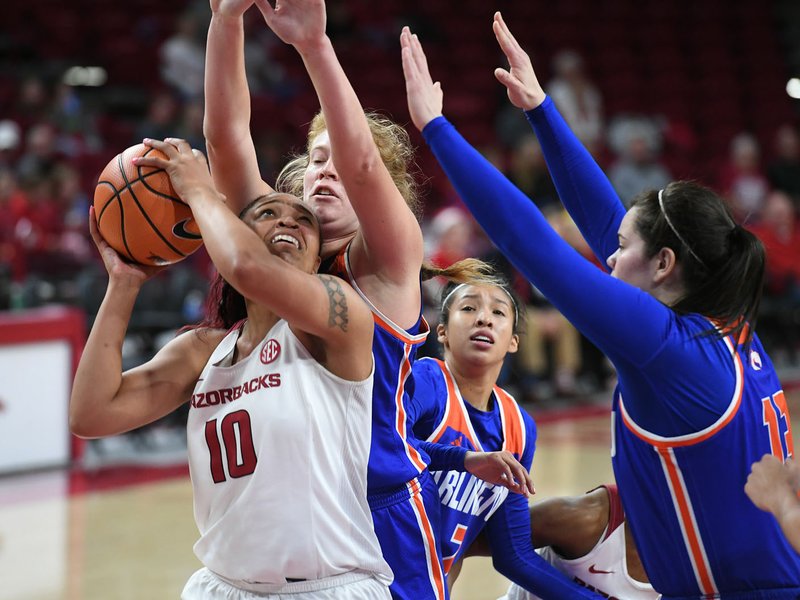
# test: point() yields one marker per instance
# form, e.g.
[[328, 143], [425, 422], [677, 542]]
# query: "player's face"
[[323, 190], [480, 328], [630, 262], [289, 228]]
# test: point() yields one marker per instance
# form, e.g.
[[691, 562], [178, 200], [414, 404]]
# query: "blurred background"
[[705, 90]]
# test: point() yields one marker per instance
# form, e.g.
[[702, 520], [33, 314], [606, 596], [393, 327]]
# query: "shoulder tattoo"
[[337, 302]]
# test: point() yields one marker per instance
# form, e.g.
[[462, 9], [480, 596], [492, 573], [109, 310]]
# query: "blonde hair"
[[394, 147]]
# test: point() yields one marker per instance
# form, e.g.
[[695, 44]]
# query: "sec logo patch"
[[270, 351]]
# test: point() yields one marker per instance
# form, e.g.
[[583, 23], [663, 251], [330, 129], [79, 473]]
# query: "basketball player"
[[457, 402], [698, 399], [586, 538], [359, 190], [279, 402]]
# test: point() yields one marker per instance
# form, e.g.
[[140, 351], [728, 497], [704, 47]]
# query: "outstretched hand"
[[300, 23], [520, 80], [500, 468], [424, 96]]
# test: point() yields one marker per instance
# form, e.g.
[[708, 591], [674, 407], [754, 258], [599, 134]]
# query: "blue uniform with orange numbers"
[[401, 493], [469, 504], [692, 411]]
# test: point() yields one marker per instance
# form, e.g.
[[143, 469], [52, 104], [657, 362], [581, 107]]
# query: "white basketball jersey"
[[603, 570], [278, 450]]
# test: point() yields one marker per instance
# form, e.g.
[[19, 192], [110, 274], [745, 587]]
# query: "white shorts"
[[205, 585]]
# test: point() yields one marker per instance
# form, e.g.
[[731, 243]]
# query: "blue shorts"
[[407, 525]]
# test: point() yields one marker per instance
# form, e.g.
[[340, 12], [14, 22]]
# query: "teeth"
[[285, 238], [482, 338], [324, 193]]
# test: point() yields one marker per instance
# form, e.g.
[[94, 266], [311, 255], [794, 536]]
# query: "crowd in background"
[[56, 137]]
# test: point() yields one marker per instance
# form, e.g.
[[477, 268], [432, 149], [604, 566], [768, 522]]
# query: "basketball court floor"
[[125, 532]]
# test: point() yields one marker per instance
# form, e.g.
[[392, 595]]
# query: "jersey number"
[[237, 435], [775, 411]]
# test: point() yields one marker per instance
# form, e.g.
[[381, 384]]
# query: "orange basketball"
[[140, 215]]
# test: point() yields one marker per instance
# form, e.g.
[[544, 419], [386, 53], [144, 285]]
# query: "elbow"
[[80, 426]]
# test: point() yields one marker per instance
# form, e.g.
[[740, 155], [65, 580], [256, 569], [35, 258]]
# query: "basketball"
[[140, 215]]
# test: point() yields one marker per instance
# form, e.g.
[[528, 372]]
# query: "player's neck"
[[476, 384], [331, 246], [259, 322]]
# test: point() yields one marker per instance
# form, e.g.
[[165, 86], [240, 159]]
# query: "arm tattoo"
[[337, 315]]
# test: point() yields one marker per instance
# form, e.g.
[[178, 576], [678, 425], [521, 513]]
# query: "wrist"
[[313, 46]]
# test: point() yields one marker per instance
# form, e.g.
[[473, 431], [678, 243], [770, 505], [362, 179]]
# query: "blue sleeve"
[[509, 534], [584, 189], [425, 408], [626, 323], [444, 457]]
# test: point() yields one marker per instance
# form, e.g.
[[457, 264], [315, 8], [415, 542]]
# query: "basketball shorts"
[[407, 525]]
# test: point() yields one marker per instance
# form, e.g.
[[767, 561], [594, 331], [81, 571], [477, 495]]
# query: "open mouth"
[[484, 339], [282, 238], [324, 191]]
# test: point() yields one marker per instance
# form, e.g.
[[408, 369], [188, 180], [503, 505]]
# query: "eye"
[[497, 311], [266, 212], [305, 219], [468, 308]]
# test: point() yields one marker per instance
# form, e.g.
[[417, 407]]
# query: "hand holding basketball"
[[140, 214], [187, 168], [127, 273]]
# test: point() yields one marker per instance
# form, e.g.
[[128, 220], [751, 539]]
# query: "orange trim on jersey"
[[399, 333], [513, 424], [688, 523], [342, 266], [400, 412], [699, 436], [457, 538], [456, 415], [435, 568]]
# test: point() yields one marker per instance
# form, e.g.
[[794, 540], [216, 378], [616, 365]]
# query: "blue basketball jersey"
[[393, 459], [468, 502], [698, 535]]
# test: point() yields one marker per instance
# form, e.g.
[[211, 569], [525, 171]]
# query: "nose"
[[328, 170], [288, 221], [611, 261], [483, 318]]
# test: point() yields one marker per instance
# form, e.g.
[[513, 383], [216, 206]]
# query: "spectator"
[[529, 172], [160, 121], [784, 171], [637, 144], [779, 230], [742, 181], [183, 58], [577, 99]]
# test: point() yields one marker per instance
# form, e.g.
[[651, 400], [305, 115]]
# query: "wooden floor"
[[127, 533]]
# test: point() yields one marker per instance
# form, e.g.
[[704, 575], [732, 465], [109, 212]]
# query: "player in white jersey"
[[587, 540], [280, 386]]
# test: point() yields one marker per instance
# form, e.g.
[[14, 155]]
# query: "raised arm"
[[389, 243], [584, 189], [322, 306], [226, 125], [609, 312], [106, 401]]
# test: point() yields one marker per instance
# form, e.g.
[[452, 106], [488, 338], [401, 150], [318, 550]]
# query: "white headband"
[[675, 231]]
